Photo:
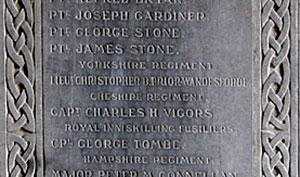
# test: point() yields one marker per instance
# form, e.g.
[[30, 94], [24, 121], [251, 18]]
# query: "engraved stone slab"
[[149, 88]]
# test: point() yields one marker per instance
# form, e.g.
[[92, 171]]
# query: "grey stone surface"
[[149, 88]]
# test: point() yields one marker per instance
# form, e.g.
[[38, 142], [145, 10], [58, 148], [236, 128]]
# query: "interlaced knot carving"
[[20, 79], [276, 88], [20, 74]]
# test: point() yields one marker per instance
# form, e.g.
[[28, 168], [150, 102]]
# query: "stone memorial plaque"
[[149, 88]]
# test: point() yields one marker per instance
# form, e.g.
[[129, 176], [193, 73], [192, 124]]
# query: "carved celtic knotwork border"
[[20, 66], [276, 94], [22, 89]]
